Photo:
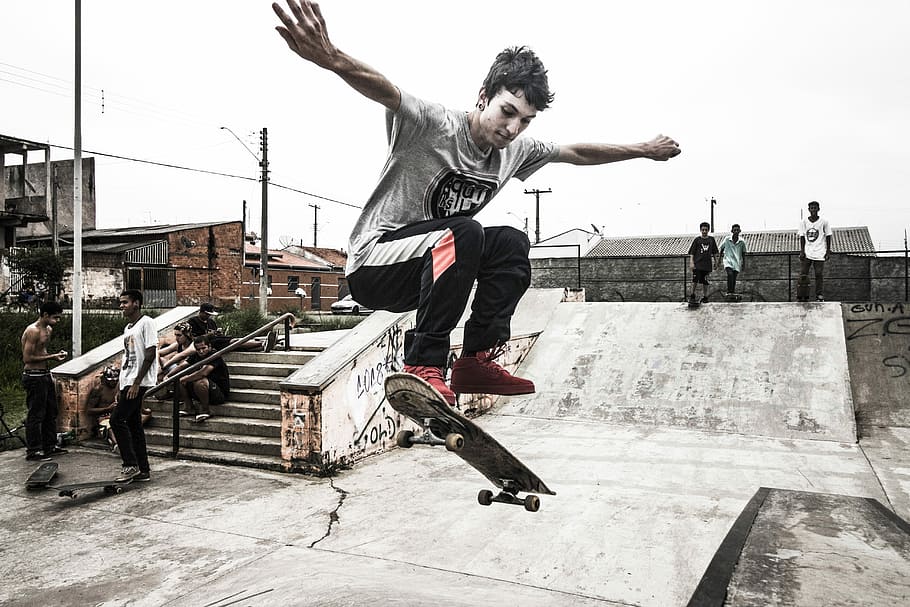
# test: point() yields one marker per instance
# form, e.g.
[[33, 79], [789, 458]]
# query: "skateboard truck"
[[407, 439], [508, 495]]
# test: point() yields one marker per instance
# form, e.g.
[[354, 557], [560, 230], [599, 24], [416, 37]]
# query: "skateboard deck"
[[443, 425], [42, 475], [73, 490], [733, 298]]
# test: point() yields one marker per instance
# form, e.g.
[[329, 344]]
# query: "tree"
[[38, 265]]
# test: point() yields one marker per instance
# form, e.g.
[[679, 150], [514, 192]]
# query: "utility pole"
[[315, 222], [77, 192], [264, 242], [537, 194], [713, 202]]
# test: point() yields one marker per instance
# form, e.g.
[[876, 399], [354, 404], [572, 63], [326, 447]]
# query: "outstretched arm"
[[306, 34], [659, 148]]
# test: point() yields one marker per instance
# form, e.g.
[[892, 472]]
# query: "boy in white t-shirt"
[[814, 247], [138, 373]]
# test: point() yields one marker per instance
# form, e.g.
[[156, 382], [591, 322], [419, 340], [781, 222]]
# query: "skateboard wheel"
[[403, 439], [118, 490], [485, 497], [74, 495], [454, 442], [532, 503]]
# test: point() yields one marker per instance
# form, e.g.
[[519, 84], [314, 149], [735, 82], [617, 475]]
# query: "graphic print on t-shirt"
[[811, 234], [458, 192]]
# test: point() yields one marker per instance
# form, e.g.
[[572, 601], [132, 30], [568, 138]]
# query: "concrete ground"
[[640, 512]]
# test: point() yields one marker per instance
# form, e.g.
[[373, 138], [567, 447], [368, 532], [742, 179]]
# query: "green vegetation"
[[96, 330]]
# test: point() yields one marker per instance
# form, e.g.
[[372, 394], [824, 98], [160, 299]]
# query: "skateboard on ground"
[[694, 303], [110, 487], [42, 476], [443, 425], [733, 297]]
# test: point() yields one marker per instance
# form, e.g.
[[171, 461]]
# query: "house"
[[571, 243], [300, 278], [182, 264]]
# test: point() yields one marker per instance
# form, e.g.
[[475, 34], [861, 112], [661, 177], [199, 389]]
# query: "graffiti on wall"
[[884, 324]]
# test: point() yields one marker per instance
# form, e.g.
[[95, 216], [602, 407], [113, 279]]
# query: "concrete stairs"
[[244, 431]]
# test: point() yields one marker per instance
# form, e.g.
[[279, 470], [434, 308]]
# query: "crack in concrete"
[[333, 515], [877, 478]]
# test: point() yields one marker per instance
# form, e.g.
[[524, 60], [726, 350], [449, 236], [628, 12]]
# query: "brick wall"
[[208, 262], [767, 277]]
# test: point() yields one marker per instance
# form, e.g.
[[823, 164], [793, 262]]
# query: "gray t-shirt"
[[435, 170]]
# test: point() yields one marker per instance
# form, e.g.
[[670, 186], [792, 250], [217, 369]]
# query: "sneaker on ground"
[[704, 300], [142, 477], [819, 298], [56, 451], [184, 413], [482, 375], [202, 417], [434, 377], [37, 456], [128, 473]]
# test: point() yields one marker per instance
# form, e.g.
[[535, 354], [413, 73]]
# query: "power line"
[[209, 172]]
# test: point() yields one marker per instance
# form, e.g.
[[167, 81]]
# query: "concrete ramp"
[[763, 369], [799, 548]]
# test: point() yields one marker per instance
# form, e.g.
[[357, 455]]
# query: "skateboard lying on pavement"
[[42, 475], [73, 490], [443, 425]]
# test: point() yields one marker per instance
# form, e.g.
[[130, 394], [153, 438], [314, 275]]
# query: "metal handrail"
[[175, 439]]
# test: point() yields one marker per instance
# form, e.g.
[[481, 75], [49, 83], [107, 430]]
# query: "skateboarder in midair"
[[415, 245]]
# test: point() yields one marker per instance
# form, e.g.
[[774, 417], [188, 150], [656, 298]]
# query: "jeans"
[[41, 420], [731, 280], [819, 274], [126, 424]]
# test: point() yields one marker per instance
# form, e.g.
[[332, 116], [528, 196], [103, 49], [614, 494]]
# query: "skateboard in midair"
[[443, 425], [42, 475], [110, 486]]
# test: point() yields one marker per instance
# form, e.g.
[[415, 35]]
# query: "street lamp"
[[263, 242]]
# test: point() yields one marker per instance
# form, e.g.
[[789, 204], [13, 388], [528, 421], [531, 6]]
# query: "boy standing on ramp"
[[416, 231]]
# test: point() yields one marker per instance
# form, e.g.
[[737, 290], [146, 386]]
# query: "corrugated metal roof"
[[284, 260], [853, 240], [152, 230]]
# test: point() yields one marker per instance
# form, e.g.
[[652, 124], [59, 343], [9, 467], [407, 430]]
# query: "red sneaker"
[[434, 377], [482, 375]]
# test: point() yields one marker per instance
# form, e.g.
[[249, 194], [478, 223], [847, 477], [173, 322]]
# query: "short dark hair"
[[133, 294], [816, 203], [50, 308], [735, 225], [704, 224], [517, 68], [203, 339]]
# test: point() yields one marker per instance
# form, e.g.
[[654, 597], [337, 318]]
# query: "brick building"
[[181, 264], [300, 278]]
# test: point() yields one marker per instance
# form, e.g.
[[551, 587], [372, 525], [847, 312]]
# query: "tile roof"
[[279, 258], [854, 240]]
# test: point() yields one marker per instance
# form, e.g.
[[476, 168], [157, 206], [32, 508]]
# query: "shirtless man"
[[40, 395]]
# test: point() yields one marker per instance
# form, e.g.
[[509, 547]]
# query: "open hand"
[[307, 36]]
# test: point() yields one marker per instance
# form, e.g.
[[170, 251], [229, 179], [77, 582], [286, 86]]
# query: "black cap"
[[208, 309]]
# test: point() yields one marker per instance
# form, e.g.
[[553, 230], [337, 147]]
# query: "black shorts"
[[700, 276]]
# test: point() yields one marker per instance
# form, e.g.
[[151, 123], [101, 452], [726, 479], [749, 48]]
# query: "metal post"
[[713, 202], [264, 242], [537, 194], [77, 192]]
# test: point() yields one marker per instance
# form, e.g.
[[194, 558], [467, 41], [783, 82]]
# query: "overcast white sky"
[[774, 103]]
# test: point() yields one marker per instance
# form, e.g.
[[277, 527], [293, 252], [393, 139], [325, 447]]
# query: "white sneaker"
[[202, 417]]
